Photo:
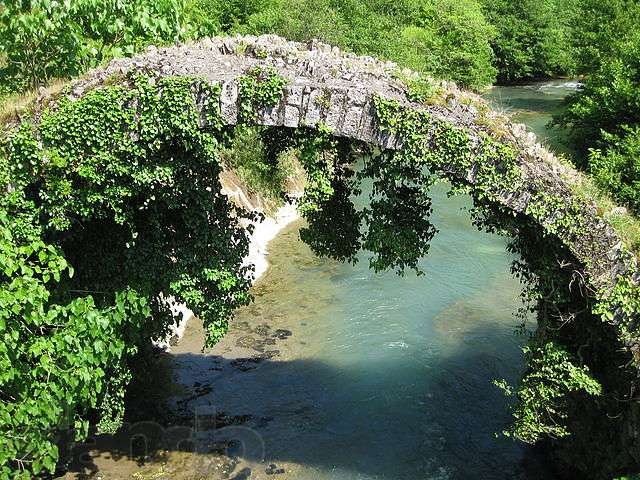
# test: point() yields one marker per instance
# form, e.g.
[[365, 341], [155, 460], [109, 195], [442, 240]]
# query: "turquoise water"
[[534, 105], [389, 377]]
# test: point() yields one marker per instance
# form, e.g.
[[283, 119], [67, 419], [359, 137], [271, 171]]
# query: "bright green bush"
[[617, 169], [261, 170], [43, 39], [214, 17], [300, 20]]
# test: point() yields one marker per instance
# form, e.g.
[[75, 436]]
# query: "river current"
[[338, 373]]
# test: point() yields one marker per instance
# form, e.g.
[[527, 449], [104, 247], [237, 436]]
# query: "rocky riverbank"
[[209, 428], [275, 219]]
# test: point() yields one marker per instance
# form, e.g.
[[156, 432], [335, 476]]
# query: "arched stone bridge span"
[[342, 92], [336, 89]]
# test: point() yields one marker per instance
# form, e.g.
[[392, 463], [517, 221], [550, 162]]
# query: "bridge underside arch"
[[126, 158]]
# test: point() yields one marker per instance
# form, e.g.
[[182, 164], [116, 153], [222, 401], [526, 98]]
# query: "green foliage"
[[300, 20], [467, 41], [601, 29], [215, 17], [621, 304], [333, 221], [545, 398], [399, 232], [439, 146], [617, 169], [603, 117], [609, 101], [448, 39], [260, 88], [263, 171], [552, 376], [559, 215], [43, 39], [123, 185], [534, 37], [57, 360], [132, 171]]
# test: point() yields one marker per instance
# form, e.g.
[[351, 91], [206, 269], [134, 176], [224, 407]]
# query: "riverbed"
[[338, 373]]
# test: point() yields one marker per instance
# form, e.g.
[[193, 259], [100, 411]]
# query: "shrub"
[[609, 100], [617, 169], [43, 39]]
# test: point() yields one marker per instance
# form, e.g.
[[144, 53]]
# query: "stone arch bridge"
[[326, 86], [338, 90]]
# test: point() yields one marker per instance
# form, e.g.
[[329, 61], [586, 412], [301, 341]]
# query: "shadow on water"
[[335, 373], [367, 421]]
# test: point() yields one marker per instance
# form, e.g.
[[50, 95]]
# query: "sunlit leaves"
[[543, 391], [45, 39], [123, 185]]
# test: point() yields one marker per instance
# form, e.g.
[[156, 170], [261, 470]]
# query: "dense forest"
[[476, 43]]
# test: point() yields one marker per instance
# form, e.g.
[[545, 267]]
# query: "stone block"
[[229, 102], [313, 103], [335, 112], [291, 116]]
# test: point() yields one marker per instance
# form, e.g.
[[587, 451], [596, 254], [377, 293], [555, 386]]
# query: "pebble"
[[273, 469]]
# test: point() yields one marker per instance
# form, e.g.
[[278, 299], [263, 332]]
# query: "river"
[[338, 373]]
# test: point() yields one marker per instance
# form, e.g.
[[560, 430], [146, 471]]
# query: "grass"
[[13, 105], [621, 219]]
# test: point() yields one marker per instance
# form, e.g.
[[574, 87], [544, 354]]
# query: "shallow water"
[[387, 377], [535, 105], [338, 373]]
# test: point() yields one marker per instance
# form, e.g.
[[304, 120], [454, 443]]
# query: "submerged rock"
[[282, 333], [273, 469]]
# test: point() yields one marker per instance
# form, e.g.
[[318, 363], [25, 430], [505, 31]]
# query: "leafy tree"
[[43, 39], [617, 168], [600, 30], [608, 103], [534, 37], [448, 40], [300, 20], [213, 17], [603, 118]]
